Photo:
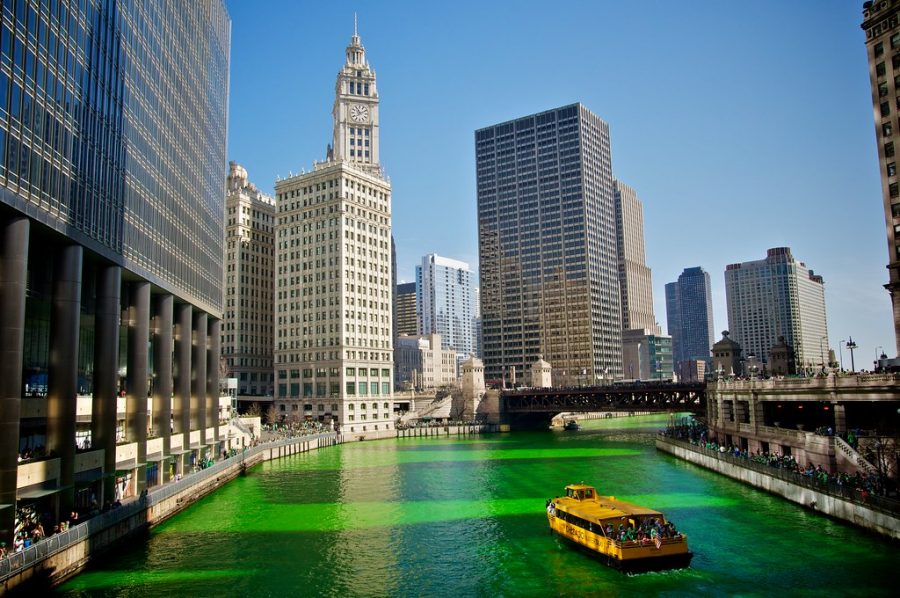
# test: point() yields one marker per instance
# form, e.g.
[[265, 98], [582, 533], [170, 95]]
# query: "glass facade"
[[547, 245], [444, 302], [105, 138], [690, 317]]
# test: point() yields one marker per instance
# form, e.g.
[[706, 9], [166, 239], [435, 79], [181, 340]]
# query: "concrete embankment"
[[53, 560], [867, 516]]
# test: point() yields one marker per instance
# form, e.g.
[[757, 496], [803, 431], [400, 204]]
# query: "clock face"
[[359, 113]]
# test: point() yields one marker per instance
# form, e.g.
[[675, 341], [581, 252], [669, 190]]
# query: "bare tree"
[[271, 415], [254, 410]]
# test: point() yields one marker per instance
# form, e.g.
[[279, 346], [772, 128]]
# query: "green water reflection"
[[445, 517]]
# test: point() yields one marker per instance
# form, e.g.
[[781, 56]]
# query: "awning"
[[195, 445], [127, 466], [179, 452], [38, 493], [157, 457], [89, 476]]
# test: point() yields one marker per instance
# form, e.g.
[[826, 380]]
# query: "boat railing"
[[884, 504]]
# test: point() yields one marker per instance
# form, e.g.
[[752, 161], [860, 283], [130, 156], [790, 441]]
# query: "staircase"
[[853, 456]]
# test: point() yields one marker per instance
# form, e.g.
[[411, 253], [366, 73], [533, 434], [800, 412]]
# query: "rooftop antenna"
[[355, 34]]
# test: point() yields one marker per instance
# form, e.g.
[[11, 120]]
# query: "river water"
[[465, 517]]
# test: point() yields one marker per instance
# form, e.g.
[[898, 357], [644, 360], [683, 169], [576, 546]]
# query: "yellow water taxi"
[[621, 534]]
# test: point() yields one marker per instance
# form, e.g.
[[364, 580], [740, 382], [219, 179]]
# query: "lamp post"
[[851, 345], [841, 352], [878, 351]]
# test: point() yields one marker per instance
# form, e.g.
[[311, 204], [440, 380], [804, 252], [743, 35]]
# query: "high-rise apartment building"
[[445, 302], [689, 316], [547, 245], [405, 299], [333, 294], [774, 297], [111, 226], [881, 22], [635, 281], [247, 328]]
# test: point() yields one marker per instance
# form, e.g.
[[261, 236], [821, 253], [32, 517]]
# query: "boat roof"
[[603, 507]]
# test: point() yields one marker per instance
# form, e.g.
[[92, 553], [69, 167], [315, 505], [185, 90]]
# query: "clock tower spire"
[[356, 110]]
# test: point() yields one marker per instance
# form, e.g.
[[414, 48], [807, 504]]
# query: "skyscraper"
[[774, 297], [635, 280], [405, 300], [334, 290], [249, 274], [111, 226], [881, 22], [690, 316], [445, 302], [547, 245]]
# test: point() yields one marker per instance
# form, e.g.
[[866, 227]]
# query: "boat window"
[[589, 493]]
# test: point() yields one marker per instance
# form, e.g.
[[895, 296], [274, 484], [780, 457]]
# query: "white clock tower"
[[356, 110], [333, 296]]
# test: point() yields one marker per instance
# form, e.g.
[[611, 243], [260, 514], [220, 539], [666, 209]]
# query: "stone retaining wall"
[[870, 519]]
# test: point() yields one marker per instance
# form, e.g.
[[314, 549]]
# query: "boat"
[[571, 425], [621, 534]]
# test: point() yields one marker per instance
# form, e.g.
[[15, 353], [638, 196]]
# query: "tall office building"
[[547, 245], [689, 316], [635, 281], [112, 158], [881, 22], [405, 300], [774, 297], [247, 328], [445, 302], [334, 295]]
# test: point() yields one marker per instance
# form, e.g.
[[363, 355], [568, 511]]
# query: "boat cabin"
[[581, 492]]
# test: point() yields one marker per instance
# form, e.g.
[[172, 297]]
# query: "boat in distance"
[[621, 534], [571, 425]]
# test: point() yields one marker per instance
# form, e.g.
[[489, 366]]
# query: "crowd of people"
[[866, 484]]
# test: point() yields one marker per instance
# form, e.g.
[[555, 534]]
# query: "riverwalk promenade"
[[875, 513], [57, 557]]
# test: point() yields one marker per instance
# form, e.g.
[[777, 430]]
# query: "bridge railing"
[[884, 504]]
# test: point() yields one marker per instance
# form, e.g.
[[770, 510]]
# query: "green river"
[[465, 517]]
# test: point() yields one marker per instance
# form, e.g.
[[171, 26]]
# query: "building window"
[[879, 49], [889, 150], [887, 130], [893, 190], [895, 40], [879, 69], [885, 109], [892, 169], [363, 387], [882, 91]]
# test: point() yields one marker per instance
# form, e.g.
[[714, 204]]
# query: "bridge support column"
[[840, 419]]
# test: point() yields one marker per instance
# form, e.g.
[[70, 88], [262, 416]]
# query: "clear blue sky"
[[742, 125]]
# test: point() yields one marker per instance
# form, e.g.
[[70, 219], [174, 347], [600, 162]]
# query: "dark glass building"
[[112, 168], [547, 247], [690, 317]]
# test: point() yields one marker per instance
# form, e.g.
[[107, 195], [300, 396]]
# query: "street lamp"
[[851, 345], [878, 351]]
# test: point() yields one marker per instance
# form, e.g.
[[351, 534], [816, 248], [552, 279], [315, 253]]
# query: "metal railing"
[[77, 533], [884, 504]]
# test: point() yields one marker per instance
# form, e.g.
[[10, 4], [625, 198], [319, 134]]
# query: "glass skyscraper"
[[112, 166], [547, 246], [690, 317], [445, 303]]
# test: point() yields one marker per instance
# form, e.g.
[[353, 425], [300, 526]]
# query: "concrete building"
[[110, 248], [247, 328], [334, 289], [646, 356], [881, 22], [727, 357], [635, 280], [547, 245], [774, 297], [445, 302], [422, 362], [689, 315]]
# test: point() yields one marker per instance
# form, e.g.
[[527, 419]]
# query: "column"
[[840, 419], [181, 400], [213, 355], [136, 385], [62, 375], [198, 399], [162, 375], [104, 410], [14, 233]]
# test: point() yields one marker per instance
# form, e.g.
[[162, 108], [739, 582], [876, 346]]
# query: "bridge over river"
[[535, 407]]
